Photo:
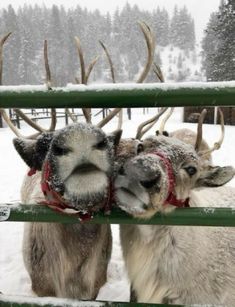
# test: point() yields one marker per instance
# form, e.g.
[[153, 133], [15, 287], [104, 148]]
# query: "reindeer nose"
[[148, 184]]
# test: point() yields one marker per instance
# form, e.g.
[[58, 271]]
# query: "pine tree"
[[219, 44], [182, 29], [11, 51]]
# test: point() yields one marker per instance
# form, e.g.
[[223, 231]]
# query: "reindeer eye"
[[140, 148], [101, 145], [60, 151], [191, 170]]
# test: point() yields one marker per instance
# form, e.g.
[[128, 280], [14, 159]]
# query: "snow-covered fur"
[[69, 260], [188, 136], [173, 264]]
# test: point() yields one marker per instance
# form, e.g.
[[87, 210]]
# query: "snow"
[[121, 86], [14, 280], [22, 88], [49, 301]]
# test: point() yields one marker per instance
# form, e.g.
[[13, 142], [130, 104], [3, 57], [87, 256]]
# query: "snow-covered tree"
[[219, 44]]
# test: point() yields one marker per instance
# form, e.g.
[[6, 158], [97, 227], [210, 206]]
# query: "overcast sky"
[[199, 9]]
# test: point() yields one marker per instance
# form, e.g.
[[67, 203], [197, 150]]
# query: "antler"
[[216, 145], [2, 42], [199, 129], [149, 123], [150, 42], [109, 61], [120, 113], [84, 75], [108, 117], [165, 119], [48, 82], [157, 70], [29, 121]]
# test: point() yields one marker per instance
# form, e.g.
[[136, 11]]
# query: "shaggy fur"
[[69, 260], [172, 264]]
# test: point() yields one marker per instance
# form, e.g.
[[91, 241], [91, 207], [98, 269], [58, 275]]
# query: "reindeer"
[[173, 264], [68, 260], [71, 170]]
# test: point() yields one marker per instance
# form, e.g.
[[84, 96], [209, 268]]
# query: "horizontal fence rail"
[[120, 95], [183, 216], [16, 301]]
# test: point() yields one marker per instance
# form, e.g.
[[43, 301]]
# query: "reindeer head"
[[76, 163], [163, 174]]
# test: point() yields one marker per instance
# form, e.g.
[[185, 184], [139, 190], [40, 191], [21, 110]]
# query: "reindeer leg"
[[133, 296]]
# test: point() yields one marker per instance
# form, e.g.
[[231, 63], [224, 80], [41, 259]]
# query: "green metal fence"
[[125, 95]]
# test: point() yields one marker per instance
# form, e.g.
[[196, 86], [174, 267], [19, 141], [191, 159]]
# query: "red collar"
[[55, 200], [171, 198]]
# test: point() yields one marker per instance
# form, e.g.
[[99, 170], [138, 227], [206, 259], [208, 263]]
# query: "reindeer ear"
[[33, 152], [215, 176], [26, 149], [115, 137]]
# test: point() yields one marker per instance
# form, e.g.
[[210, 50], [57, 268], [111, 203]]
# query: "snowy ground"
[[14, 279]]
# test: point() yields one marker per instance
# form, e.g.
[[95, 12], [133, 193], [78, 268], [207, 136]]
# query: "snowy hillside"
[[180, 65]]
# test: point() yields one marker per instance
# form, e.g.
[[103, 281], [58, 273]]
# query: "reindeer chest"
[[146, 253]]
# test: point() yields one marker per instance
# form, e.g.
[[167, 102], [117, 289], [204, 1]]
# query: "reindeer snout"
[[145, 169], [148, 184]]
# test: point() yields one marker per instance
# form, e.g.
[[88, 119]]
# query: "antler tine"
[[165, 119], [47, 67], [157, 70], [9, 123], [14, 129], [150, 122], [49, 86], [108, 117], [53, 120], [81, 59], [87, 114], [2, 111], [116, 110], [68, 112], [218, 144], [199, 129], [29, 121], [2, 42], [109, 61], [84, 75], [150, 42], [90, 67]]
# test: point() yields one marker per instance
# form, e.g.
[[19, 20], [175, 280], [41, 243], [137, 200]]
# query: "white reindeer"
[[173, 264], [75, 166], [68, 260]]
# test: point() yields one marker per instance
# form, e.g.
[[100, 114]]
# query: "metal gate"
[[116, 95]]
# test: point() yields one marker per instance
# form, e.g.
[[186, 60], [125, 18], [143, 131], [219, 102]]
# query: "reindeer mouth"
[[85, 168], [127, 191]]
